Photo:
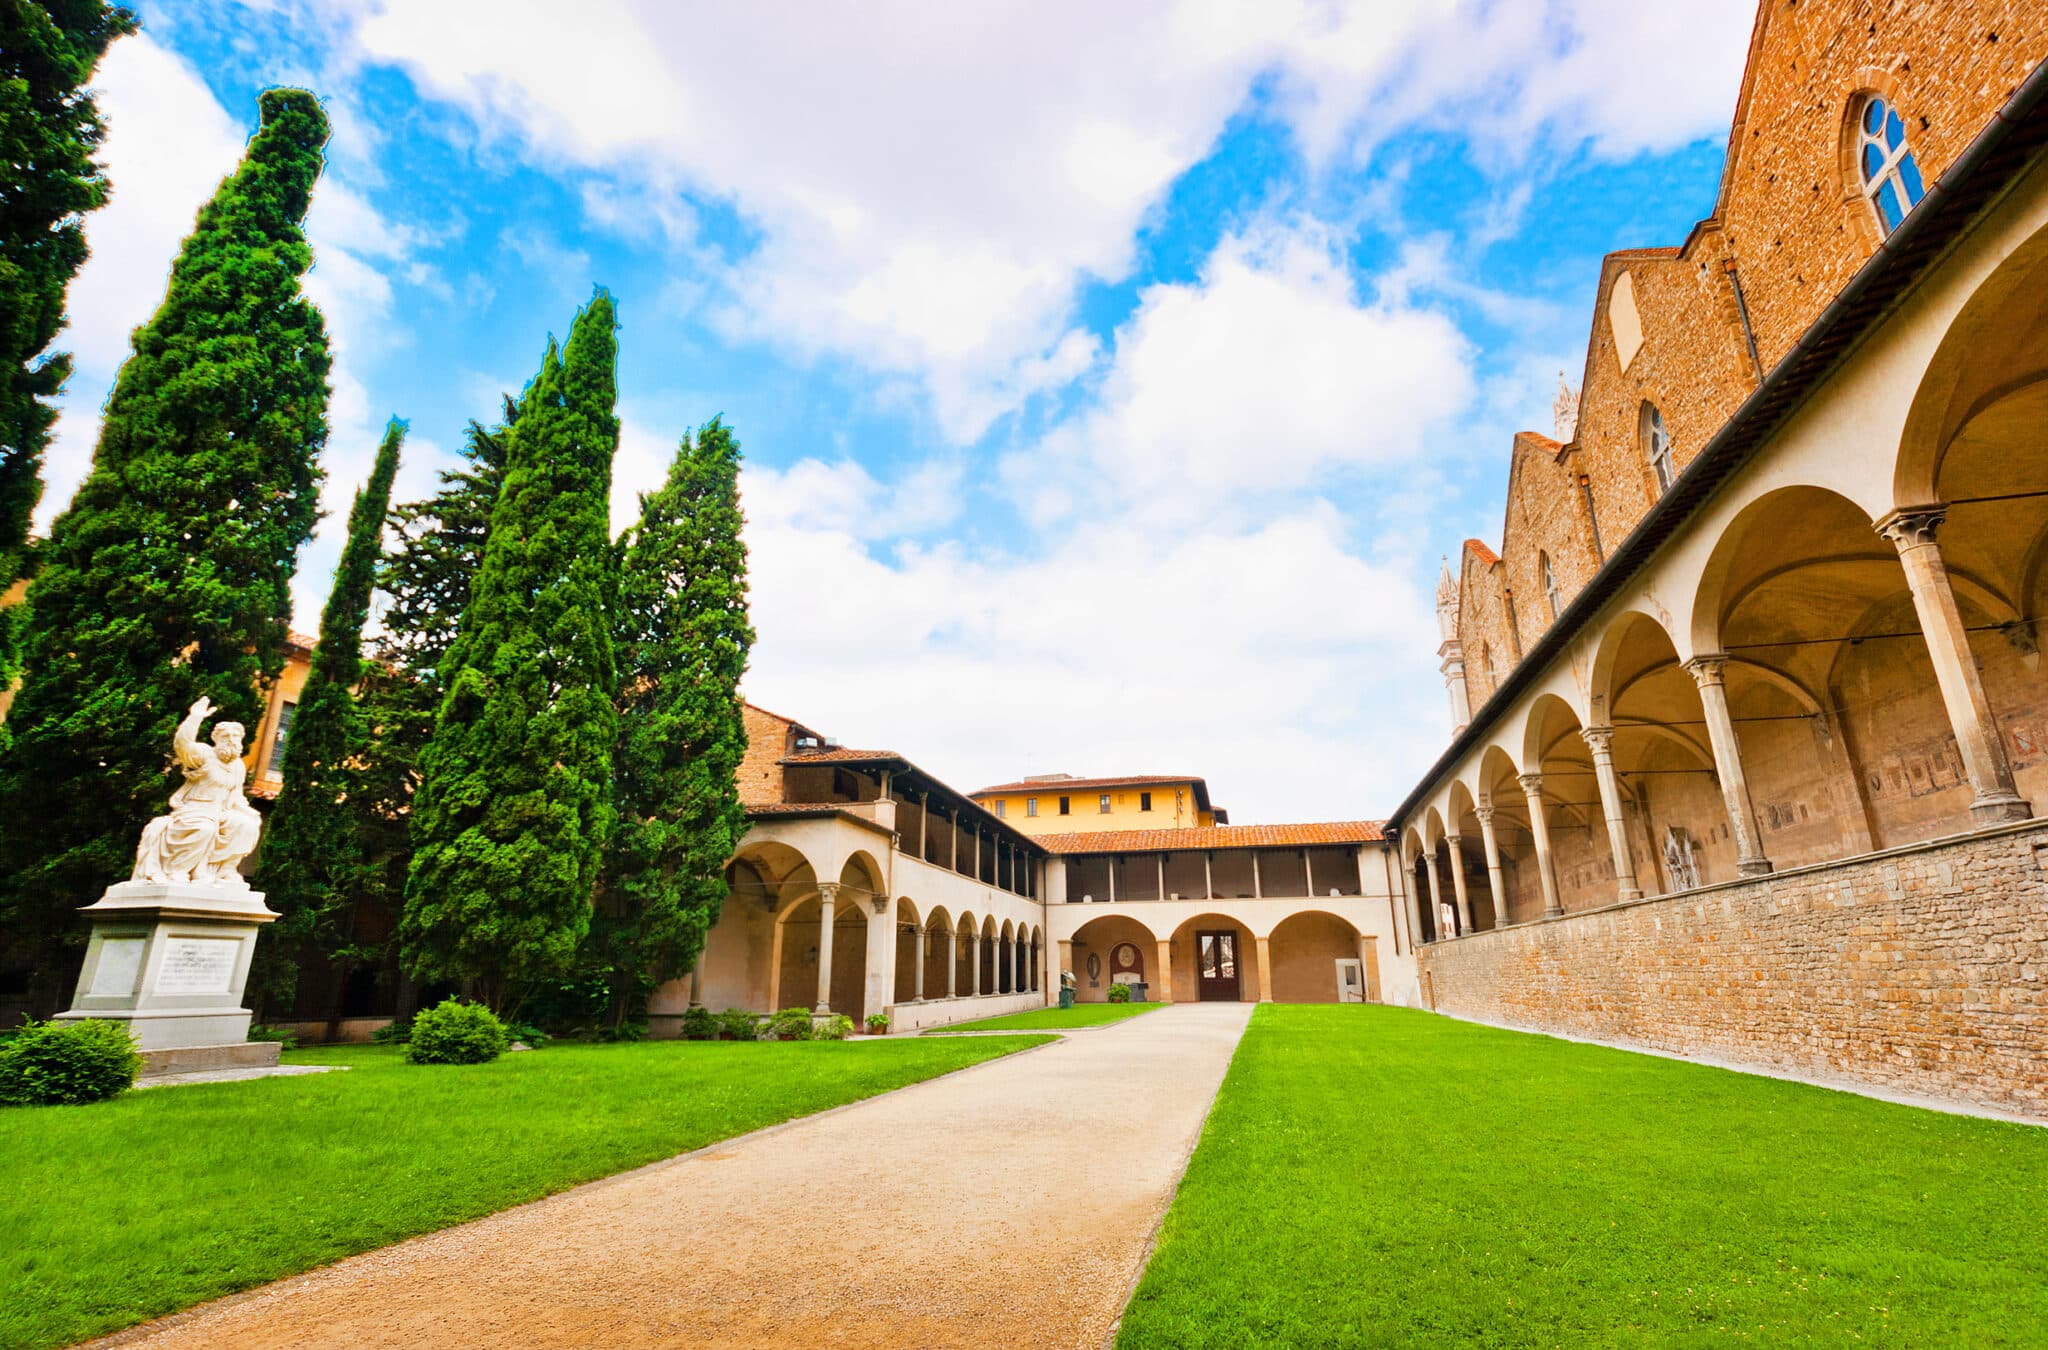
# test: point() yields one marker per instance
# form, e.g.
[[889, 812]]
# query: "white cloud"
[[1260, 379]]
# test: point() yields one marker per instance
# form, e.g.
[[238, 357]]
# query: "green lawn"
[[1378, 1176], [1052, 1019], [128, 1209]]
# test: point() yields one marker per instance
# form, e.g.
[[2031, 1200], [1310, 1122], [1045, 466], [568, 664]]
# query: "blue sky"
[[1111, 378]]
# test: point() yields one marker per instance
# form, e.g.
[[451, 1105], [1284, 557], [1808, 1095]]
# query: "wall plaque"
[[198, 966], [120, 965]]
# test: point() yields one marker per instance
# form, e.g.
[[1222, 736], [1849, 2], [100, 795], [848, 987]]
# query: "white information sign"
[[198, 966], [120, 965]]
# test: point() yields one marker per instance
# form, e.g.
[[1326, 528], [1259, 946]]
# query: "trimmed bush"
[[1119, 993], [791, 1024], [67, 1063], [737, 1024], [395, 1032], [835, 1028], [699, 1024], [454, 1032]]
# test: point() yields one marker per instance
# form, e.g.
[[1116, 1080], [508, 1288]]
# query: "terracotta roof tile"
[[305, 642], [1309, 834], [1478, 549], [843, 757]]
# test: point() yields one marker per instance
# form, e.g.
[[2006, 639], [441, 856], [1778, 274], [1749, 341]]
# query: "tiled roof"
[[799, 810], [1311, 834], [843, 757], [305, 642], [1478, 549], [1058, 785]]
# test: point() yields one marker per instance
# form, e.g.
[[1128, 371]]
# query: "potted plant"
[[878, 1024]]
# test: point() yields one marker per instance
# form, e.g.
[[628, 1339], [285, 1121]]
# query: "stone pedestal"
[[170, 959]]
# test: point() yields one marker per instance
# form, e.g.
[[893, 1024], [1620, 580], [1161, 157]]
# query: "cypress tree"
[[49, 133], [514, 803], [169, 574], [309, 858], [427, 577], [683, 639]]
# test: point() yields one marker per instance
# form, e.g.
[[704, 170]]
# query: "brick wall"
[[1793, 211], [1921, 970], [760, 772]]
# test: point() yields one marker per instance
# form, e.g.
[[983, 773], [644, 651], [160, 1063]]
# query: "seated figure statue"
[[211, 826]]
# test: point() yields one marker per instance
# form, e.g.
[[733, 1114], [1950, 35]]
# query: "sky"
[[1111, 378]]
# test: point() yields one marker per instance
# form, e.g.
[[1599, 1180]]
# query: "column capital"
[[1532, 784], [1454, 840], [1708, 668], [1912, 526], [1485, 814], [1600, 740], [881, 904]]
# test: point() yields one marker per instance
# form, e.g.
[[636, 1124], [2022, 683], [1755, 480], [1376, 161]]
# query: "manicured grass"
[[1378, 1176], [1052, 1019], [129, 1209]]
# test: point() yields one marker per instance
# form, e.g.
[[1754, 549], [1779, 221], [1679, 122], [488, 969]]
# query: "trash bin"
[[1066, 997], [1137, 988]]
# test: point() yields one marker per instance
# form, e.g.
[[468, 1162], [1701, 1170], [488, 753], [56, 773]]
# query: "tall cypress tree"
[[49, 133], [309, 858], [514, 804], [169, 574], [427, 576], [683, 639]]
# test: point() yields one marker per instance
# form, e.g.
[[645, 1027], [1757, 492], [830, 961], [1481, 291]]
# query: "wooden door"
[[1216, 966]]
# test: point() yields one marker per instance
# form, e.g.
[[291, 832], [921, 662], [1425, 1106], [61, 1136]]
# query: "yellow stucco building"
[[1060, 803]]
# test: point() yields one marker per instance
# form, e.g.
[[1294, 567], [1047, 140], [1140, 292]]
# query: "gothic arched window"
[[1891, 176], [1657, 446], [1552, 592]]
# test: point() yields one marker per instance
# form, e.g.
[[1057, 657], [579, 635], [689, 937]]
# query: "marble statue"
[[211, 826]]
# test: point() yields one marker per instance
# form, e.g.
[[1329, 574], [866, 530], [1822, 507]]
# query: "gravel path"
[[1006, 1205]]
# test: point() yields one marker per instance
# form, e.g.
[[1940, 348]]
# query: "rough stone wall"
[[1922, 970], [760, 773], [1791, 203], [1546, 515], [1483, 635]]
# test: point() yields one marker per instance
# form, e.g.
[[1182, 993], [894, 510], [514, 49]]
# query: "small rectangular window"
[[999, 809], [284, 726], [1064, 804], [1031, 806], [1144, 801], [1105, 803]]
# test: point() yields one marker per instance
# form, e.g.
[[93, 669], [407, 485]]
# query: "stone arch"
[[799, 948], [966, 933], [1303, 951], [936, 944], [1094, 945], [909, 937], [1197, 945]]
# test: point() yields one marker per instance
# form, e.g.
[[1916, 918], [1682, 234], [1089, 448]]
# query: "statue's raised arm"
[[185, 740]]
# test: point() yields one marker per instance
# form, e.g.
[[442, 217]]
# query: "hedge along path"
[[1009, 1204]]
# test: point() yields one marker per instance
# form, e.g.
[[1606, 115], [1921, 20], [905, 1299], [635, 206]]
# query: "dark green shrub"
[[527, 1034], [624, 1031], [67, 1063], [455, 1032], [791, 1024], [396, 1032], [834, 1028], [1119, 993], [284, 1036], [737, 1024], [699, 1024]]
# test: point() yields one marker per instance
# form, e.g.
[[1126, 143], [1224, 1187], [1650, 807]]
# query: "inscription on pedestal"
[[120, 965], [198, 966]]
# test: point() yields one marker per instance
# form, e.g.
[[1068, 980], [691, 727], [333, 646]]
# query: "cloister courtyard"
[[1359, 1175]]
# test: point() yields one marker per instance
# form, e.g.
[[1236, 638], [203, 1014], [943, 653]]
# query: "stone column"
[[974, 964], [1066, 964], [1165, 970], [1496, 885], [1368, 969], [1955, 666], [1457, 847], [1436, 890], [697, 982], [1407, 874], [1265, 969], [1600, 740], [1708, 672], [828, 901], [924, 954], [952, 963], [1539, 827], [879, 984]]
